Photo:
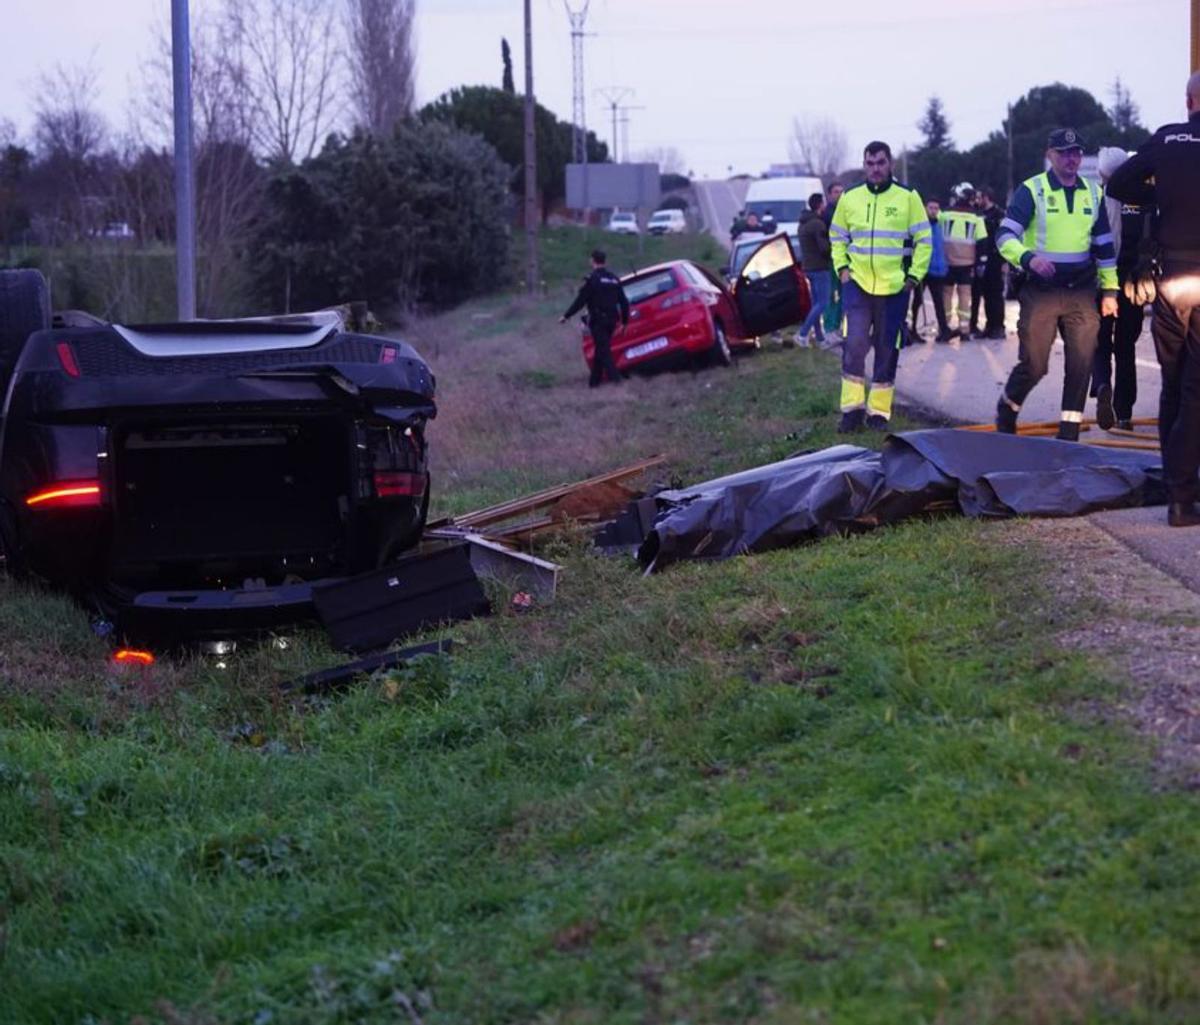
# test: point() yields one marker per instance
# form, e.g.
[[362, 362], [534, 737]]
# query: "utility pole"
[[1008, 131], [624, 120], [185, 175], [1196, 35], [531, 203], [579, 149], [614, 96]]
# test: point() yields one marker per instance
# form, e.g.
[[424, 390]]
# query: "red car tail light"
[[66, 494], [396, 484], [66, 356]]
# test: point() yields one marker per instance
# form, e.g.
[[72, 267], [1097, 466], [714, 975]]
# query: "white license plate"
[[651, 346]]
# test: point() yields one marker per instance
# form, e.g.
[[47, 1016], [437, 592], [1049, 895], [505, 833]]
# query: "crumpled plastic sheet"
[[847, 488]]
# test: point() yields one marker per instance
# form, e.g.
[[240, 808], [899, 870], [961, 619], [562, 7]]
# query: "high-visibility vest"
[[961, 230], [868, 237], [1061, 235]]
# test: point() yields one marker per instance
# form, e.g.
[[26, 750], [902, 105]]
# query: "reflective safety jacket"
[[962, 230], [1068, 226], [868, 235]]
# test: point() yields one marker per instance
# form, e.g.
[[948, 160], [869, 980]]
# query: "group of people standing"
[[1087, 257], [1078, 250]]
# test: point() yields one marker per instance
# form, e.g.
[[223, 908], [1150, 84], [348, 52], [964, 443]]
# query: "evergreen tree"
[[507, 83], [935, 127]]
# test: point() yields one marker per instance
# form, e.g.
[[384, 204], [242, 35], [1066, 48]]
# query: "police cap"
[[1064, 138]]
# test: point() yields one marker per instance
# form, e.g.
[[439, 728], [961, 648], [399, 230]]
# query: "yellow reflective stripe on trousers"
[[880, 401], [854, 394]]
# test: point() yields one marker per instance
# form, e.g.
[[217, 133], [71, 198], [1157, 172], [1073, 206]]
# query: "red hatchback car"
[[679, 311]]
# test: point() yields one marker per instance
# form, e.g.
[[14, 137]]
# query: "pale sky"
[[718, 80]]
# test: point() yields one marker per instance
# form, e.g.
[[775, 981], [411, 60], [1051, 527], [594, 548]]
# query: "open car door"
[[770, 292]]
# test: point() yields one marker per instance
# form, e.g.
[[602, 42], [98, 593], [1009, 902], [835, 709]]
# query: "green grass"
[[845, 783]]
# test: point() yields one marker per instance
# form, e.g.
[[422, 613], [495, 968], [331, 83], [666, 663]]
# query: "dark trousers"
[[934, 287], [1118, 341], [602, 360], [1176, 328], [833, 312], [976, 300], [1044, 313], [993, 295], [873, 323]]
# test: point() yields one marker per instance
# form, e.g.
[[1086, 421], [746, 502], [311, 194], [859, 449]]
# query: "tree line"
[[317, 180], [819, 144]]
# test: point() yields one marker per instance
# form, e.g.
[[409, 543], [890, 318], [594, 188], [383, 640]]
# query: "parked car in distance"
[[667, 222], [681, 312], [624, 222]]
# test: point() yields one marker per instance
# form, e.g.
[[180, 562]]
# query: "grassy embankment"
[[847, 783]]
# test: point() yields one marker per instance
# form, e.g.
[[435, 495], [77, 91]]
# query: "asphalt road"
[[719, 203], [963, 380]]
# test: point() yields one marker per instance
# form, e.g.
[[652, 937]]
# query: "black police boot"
[[875, 422], [851, 422], [1125, 425], [945, 334], [1067, 431], [1105, 416], [1006, 418], [1183, 514]]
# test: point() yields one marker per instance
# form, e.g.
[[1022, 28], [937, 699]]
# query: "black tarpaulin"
[[847, 488]]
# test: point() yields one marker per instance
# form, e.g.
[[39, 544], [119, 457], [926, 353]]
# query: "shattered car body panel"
[[202, 461]]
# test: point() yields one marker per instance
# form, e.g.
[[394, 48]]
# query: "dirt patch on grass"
[[1143, 623]]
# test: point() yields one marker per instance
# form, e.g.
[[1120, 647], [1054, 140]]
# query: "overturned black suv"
[[204, 473]]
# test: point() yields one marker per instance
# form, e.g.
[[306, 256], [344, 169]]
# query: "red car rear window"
[[640, 289]]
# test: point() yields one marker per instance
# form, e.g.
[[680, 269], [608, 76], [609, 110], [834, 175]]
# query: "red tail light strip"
[[66, 493], [66, 356], [391, 484]]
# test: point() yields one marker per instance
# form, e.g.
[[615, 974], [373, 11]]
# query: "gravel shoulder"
[[1141, 621]]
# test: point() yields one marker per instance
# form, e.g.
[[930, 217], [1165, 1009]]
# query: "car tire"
[[24, 309], [720, 353]]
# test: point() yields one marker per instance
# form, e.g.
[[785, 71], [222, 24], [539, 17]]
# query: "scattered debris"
[[339, 676], [371, 610]]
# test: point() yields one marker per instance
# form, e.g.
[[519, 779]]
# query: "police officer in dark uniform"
[[1165, 172], [606, 304]]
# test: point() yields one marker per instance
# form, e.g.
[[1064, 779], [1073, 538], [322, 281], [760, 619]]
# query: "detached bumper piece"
[[373, 609], [326, 680], [168, 618]]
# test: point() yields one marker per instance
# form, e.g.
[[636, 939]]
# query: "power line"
[[615, 96]]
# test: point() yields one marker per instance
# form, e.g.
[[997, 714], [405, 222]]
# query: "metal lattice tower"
[[578, 103]]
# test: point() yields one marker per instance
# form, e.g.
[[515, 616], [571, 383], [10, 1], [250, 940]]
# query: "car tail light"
[[66, 356], [66, 494], [133, 657], [396, 483], [688, 295]]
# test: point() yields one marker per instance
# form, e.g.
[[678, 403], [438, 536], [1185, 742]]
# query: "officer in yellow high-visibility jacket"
[[1056, 231], [871, 227]]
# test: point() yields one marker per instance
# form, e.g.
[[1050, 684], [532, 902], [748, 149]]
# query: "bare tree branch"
[[818, 144], [381, 61], [288, 53]]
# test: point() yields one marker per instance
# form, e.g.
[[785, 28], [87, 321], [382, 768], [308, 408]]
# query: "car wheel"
[[24, 309], [720, 351]]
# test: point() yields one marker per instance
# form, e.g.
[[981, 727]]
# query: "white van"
[[784, 198], [664, 222]]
